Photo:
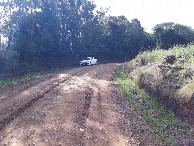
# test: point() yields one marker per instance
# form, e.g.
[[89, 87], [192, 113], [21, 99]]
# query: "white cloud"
[[152, 12]]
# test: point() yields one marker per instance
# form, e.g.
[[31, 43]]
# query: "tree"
[[46, 32], [125, 38], [169, 34]]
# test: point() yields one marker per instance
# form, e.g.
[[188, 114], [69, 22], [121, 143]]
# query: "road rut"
[[78, 107]]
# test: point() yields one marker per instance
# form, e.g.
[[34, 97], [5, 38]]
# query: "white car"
[[88, 61]]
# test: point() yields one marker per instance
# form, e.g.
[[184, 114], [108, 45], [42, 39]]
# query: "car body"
[[88, 61]]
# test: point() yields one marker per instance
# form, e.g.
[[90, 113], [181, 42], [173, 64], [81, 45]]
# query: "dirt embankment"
[[82, 106], [172, 86]]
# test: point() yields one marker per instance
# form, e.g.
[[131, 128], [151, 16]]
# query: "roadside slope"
[[168, 76]]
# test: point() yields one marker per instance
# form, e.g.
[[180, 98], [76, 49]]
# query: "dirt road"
[[78, 107]]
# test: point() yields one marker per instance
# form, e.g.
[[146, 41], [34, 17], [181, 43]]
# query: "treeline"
[[50, 33]]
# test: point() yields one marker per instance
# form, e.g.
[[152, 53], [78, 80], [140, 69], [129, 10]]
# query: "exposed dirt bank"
[[170, 85]]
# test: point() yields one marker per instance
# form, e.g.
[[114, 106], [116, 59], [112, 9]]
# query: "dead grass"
[[186, 93]]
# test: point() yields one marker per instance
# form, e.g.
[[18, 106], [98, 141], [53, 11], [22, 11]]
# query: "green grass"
[[29, 75], [9, 82], [17, 79], [158, 55], [162, 120]]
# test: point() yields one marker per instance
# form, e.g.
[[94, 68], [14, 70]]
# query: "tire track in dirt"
[[78, 108], [19, 109], [101, 124], [83, 114], [11, 90]]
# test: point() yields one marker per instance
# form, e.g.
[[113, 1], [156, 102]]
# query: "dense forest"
[[41, 34]]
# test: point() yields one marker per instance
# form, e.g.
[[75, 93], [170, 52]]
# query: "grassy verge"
[[29, 75], [15, 80], [163, 122]]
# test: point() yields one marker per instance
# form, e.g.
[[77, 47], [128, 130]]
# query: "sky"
[[152, 12]]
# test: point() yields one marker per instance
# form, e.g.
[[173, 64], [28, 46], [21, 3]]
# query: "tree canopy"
[[169, 34], [47, 33]]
